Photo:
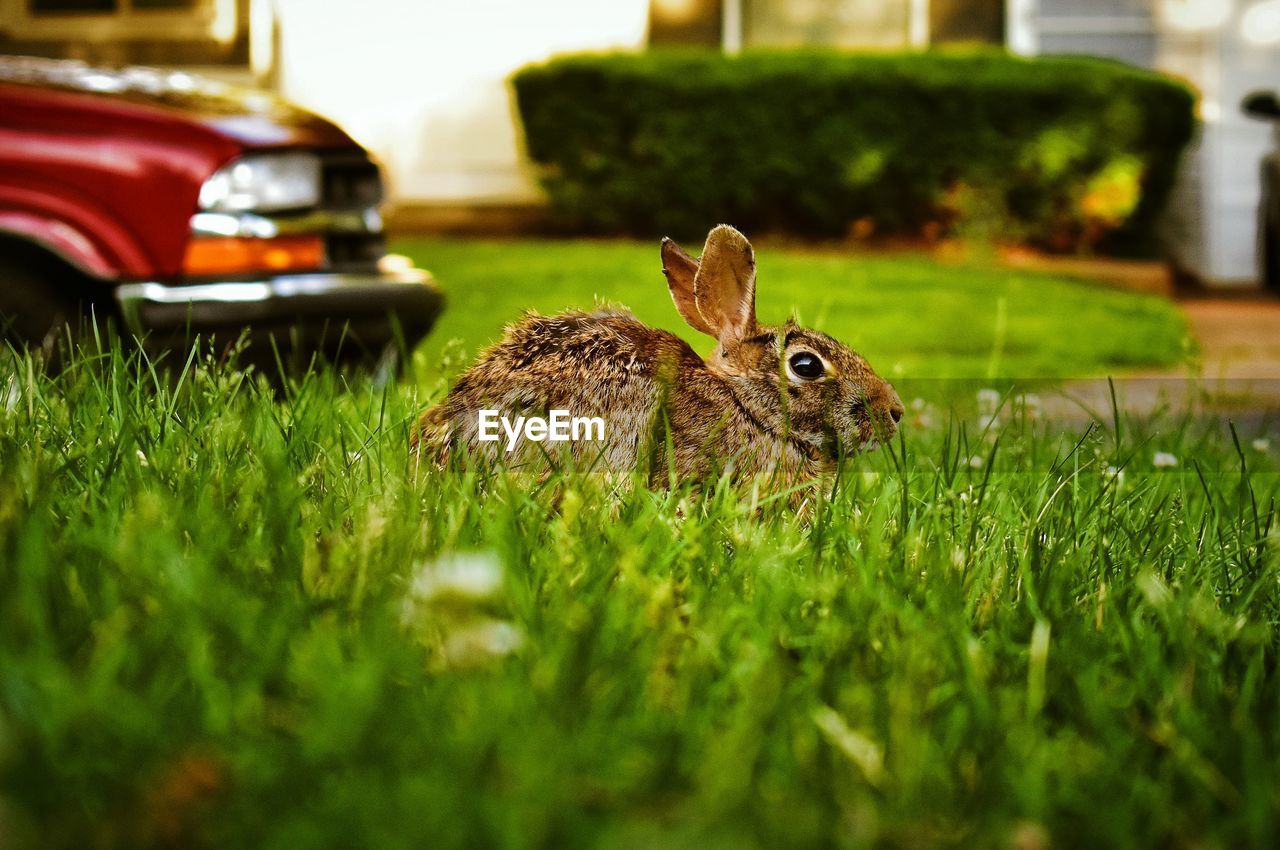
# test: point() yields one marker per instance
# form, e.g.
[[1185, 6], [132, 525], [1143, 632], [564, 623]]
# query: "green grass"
[[223, 622], [909, 316], [231, 618]]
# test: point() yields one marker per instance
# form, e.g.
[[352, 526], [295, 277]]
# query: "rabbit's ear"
[[724, 289], [680, 270]]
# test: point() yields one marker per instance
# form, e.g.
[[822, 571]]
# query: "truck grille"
[[351, 182], [346, 251]]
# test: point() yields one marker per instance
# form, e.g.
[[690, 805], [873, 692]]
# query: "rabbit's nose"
[[895, 405]]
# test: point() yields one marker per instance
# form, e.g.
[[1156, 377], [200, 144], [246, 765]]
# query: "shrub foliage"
[[1068, 153]]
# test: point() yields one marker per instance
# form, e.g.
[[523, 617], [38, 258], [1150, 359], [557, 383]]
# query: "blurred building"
[[422, 82], [1226, 49]]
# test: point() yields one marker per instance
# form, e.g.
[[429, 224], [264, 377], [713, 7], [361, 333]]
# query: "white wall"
[[1213, 217], [423, 84], [1235, 145], [1217, 199]]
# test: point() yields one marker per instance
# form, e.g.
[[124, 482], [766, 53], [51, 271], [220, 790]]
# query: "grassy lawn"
[[233, 619], [909, 316]]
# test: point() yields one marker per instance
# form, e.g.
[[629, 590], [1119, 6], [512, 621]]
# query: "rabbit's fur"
[[743, 409]]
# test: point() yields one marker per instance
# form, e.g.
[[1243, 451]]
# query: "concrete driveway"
[[1236, 377], [1239, 339]]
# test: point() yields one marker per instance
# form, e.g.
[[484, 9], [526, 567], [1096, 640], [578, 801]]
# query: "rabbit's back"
[[604, 364]]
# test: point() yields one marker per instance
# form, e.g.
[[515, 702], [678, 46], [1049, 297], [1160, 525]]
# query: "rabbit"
[[768, 400]]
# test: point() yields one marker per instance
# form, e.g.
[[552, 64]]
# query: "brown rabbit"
[[769, 399]]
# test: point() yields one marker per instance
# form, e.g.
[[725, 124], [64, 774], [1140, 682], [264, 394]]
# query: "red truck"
[[178, 206]]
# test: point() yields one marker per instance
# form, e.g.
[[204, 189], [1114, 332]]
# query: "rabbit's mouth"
[[868, 435], [852, 442]]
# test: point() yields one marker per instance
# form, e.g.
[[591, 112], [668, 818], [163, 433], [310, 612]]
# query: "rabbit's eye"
[[805, 365]]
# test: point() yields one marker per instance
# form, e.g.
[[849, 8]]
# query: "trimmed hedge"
[[1068, 153]]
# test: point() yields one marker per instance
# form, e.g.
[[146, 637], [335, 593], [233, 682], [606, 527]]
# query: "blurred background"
[[425, 85]]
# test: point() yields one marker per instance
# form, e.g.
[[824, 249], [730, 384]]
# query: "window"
[[53, 7], [836, 23], [110, 21], [793, 23], [43, 7], [164, 4]]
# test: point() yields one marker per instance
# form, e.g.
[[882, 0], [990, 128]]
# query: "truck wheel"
[[39, 298]]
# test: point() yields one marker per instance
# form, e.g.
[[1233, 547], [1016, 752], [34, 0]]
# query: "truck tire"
[[41, 299]]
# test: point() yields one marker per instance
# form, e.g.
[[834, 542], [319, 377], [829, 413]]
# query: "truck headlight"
[[263, 183]]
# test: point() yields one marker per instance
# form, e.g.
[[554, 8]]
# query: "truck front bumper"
[[341, 316]]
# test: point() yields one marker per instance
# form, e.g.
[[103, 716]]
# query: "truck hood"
[[250, 117]]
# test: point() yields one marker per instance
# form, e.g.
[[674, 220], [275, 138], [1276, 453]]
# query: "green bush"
[[1067, 153]]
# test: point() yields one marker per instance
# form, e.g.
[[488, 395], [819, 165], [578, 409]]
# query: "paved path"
[[1238, 376], [1239, 339]]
